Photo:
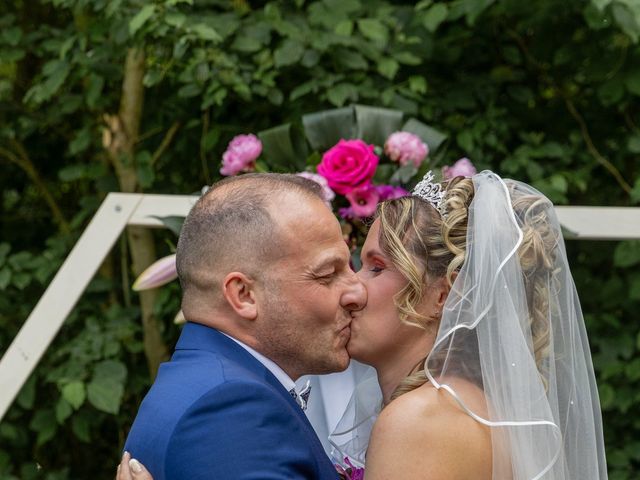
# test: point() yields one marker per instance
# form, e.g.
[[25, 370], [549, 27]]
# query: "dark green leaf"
[[627, 253], [110, 370], [205, 32], [5, 277], [141, 18], [74, 393], [80, 427], [27, 394], [105, 394], [373, 29], [435, 16], [339, 94], [388, 67], [344, 28], [63, 410], [288, 53], [173, 223]]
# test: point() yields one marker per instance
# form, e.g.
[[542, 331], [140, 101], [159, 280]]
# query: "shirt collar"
[[270, 365]]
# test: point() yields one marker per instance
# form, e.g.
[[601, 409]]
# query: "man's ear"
[[238, 291]]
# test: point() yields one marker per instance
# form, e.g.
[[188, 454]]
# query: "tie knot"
[[302, 397]]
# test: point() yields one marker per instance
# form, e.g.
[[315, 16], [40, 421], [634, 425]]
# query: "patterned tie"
[[302, 397]]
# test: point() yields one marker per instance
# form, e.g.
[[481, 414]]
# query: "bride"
[[474, 328]]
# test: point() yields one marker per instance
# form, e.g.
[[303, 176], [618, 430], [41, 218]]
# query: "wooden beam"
[[63, 292]]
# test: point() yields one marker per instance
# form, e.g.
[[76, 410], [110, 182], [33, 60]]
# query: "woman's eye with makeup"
[[376, 269]]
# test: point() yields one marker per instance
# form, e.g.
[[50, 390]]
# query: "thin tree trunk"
[[119, 139]]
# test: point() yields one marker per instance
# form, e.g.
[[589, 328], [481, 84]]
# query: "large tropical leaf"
[[324, 129], [282, 147], [432, 137], [375, 124]]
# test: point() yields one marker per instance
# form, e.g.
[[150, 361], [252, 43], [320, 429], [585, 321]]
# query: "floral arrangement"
[[360, 156], [348, 471]]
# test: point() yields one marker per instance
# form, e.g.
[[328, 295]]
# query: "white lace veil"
[[512, 325]]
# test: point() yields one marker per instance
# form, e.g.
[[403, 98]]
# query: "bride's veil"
[[512, 325]]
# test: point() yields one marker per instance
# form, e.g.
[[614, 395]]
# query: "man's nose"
[[355, 294]]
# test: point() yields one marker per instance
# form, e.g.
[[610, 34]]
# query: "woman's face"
[[377, 334]]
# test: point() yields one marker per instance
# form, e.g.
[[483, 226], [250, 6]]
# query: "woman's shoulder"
[[428, 430]]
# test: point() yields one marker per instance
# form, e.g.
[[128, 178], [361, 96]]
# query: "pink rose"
[[405, 148], [327, 193], [462, 168], [363, 200], [348, 165], [241, 154], [389, 192]]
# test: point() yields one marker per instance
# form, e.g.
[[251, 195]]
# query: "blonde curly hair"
[[424, 247]]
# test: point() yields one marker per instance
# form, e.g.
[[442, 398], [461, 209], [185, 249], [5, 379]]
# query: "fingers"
[[138, 472], [124, 472], [132, 469]]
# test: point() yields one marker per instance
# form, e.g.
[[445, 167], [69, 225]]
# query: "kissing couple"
[[464, 305]]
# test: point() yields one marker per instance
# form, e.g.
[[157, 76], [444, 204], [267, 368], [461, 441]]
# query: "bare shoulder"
[[425, 434]]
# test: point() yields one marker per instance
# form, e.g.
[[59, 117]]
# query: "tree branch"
[[166, 141], [592, 148], [584, 129], [22, 160]]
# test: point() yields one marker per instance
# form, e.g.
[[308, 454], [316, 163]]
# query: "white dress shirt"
[[270, 365]]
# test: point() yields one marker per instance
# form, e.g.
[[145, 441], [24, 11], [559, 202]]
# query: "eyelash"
[[376, 269], [326, 278]]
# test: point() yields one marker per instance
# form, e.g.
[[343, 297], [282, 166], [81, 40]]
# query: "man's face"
[[310, 292]]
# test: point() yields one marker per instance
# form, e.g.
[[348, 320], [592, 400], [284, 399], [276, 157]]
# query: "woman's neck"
[[392, 371]]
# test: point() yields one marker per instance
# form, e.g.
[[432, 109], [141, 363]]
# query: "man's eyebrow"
[[329, 261]]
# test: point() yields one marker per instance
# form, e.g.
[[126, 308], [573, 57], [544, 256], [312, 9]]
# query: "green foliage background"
[[543, 91]]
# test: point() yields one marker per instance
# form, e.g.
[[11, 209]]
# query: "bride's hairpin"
[[431, 192]]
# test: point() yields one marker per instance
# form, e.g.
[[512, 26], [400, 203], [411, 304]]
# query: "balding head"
[[234, 227]]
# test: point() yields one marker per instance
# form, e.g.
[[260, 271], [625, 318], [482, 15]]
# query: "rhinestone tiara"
[[431, 192]]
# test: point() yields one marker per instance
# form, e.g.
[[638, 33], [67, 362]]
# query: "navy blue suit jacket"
[[215, 412]]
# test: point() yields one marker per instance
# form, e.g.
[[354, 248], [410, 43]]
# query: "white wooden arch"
[[120, 210]]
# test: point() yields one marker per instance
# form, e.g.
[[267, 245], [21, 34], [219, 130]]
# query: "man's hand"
[[131, 469]]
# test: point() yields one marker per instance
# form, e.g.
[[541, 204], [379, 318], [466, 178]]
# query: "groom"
[[268, 294]]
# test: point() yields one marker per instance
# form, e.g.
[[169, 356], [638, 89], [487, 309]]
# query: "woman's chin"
[[354, 352]]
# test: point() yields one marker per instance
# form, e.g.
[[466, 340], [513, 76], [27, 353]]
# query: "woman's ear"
[[238, 291], [444, 289]]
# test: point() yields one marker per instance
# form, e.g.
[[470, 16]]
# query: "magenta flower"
[[350, 472], [347, 213], [363, 200], [462, 168], [158, 273], [348, 165], [389, 192], [327, 193], [405, 148], [241, 154]]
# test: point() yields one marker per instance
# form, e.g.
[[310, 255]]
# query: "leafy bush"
[[543, 91]]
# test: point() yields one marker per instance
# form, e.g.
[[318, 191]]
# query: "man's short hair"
[[231, 228]]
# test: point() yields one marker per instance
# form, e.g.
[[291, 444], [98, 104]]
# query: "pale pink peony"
[[462, 168], [405, 148], [327, 193], [363, 200], [241, 154], [389, 192], [348, 165]]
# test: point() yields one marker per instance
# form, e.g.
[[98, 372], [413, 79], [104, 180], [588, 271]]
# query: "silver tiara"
[[431, 192]]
